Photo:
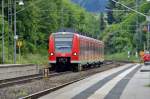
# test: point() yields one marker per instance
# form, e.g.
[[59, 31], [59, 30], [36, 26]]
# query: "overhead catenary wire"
[[116, 10], [130, 8], [31, 4]]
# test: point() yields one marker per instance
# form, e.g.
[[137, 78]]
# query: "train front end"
[[63, 50]]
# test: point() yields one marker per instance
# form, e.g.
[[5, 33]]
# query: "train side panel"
[[51, 51], [75, 49], [91, 51]]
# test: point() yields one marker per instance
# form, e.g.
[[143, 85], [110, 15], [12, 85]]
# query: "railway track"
[[49, 90], [18, 80], [25, 79], [44, 92], [34, 83]]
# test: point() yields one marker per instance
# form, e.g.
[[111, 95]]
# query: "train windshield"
[[63, 42]]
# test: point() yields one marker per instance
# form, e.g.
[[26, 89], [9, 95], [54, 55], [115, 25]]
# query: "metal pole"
[[14, 31], [147, 40], [130, 8], [137, 23], [3, 25], [144, 47], [148, 36], [10, 35], [20, 54], [62, 16]]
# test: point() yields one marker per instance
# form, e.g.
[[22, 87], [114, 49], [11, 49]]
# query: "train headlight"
[[51, 54], [74, 54]]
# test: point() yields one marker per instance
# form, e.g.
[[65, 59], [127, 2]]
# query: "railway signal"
[[19, 44]]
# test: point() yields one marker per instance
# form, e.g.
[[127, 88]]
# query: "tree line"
[[125, 31], [37, 19]]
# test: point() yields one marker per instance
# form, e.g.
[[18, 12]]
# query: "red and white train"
[[74, 51]]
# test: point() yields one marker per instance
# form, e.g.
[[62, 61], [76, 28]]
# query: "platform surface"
[[125, 82]]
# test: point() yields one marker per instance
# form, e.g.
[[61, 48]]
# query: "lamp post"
[[15, 35]]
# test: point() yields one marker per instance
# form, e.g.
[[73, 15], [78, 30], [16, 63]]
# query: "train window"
[[63, 46], [63, 43]]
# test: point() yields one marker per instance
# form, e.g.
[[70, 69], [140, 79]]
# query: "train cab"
[[72, 51]]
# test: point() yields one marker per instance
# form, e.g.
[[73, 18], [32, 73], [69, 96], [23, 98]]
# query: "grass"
[[40, 57], [34, 59], [30, 59], [147, 85], [121, 56]]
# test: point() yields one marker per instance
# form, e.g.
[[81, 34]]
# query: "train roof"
[[78, 35], [91, 38], [63, 33]]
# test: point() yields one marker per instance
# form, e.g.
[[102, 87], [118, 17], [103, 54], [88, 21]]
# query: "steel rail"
[[25, 79]]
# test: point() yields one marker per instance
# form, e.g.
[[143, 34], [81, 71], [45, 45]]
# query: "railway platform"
[[8, 65], [9, 71], [124, 82]]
